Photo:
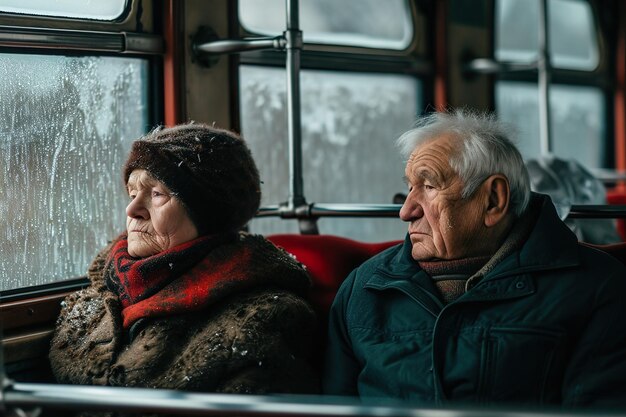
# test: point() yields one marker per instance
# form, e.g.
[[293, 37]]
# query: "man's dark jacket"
[[547, 325]]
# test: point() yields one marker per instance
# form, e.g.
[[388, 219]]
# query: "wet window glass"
[[368, 23], [97, 10], [577, 113], [349, 125], [66, 126], [572, 32]]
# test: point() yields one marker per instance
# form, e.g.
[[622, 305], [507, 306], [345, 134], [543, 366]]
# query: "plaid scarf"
[[177, 280]]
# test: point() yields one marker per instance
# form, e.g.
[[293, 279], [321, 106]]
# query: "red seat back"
[[329, 260], [618, 197]]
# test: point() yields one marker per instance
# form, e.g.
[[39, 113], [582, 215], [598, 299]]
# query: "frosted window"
[[577, 113], [92, 9], [368, 23], [66, 124], [349, 124], [572, 32]]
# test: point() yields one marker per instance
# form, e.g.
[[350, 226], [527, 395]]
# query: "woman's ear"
[[497, 186]]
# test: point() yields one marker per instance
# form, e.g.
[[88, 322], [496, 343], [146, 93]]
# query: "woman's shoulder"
[[269, 250], [262, 262], [270, 302], [263, 245]]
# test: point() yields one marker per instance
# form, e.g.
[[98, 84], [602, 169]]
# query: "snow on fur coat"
[[254, 341]]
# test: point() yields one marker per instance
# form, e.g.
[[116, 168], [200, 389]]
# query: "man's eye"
[[132, 196], [428, 187]]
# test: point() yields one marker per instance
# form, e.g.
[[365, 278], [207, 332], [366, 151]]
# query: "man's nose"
[[411, 209], [136, 209]]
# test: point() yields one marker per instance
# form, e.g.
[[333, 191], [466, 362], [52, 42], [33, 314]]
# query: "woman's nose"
[[411, 209], [137, 209]]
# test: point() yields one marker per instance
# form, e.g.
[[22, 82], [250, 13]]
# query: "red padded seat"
[[329, 259], [618, 197]]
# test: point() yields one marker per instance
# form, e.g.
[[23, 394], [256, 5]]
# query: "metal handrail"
[[82, 40], [490, 66], [588, 211], [577, 211], [608, 176], [355, 210], [232, 46], [144, 400]]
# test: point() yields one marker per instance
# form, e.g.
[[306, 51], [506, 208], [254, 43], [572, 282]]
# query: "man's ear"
[[497, 187]]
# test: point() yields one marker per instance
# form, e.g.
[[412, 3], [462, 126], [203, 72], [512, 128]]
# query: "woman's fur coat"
[[252, 341]]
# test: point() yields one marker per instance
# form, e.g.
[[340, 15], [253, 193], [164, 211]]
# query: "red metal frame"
[[620, 90], [172, 73], [441, 79]]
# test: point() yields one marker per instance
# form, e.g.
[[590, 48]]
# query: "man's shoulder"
[[603, 257], [595, 273], [382, 261]]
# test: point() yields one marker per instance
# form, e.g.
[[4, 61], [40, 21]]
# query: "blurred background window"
[[577, 102], [367, 23], [349, 124], [81, 9]]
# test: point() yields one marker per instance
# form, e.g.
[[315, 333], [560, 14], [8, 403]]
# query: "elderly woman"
[[183, 300]]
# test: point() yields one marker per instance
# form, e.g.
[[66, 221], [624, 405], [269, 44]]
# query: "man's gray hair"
[[487, 149]]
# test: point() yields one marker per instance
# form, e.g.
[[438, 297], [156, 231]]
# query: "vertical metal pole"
[[544, 74], [293, 36]]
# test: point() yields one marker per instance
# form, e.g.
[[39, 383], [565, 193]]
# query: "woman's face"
[[156, 220]]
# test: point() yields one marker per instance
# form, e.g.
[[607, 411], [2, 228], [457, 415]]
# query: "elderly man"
[[490, 299]]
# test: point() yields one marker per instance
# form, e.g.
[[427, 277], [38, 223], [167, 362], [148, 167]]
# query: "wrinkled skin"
[[156, 220], [442, 225]]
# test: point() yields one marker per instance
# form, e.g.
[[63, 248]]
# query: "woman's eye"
[[428, 187], [157, 194], [132, 196]]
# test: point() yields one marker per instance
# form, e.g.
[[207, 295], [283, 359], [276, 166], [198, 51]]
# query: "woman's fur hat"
[[210, 170]]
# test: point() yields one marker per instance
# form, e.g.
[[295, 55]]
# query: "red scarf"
[[178, 280]]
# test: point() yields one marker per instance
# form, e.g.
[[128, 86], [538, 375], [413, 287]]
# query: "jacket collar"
[[550, 245], [401, 272]]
